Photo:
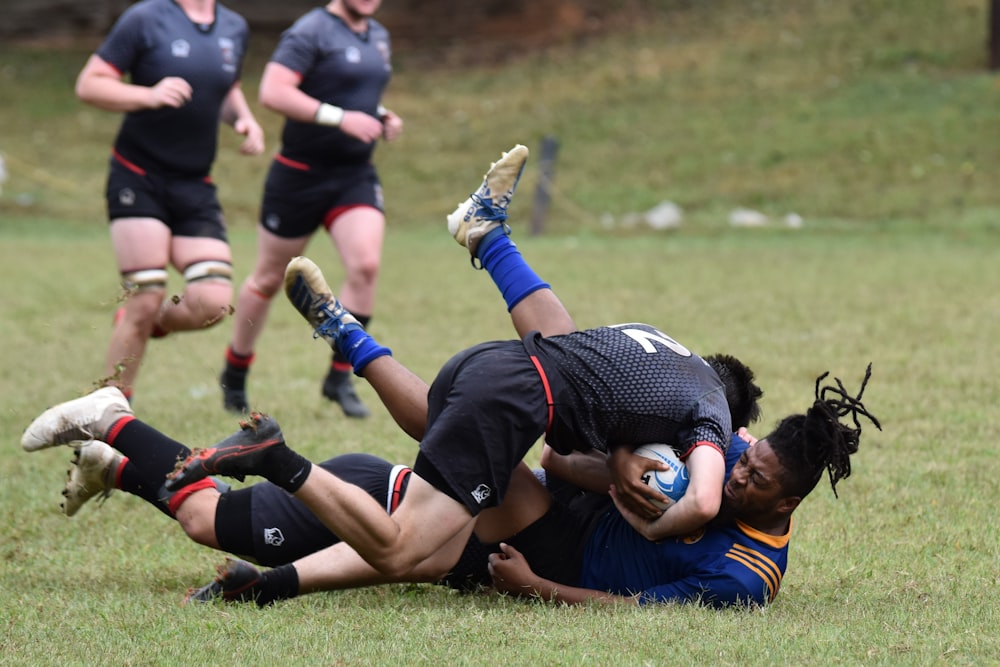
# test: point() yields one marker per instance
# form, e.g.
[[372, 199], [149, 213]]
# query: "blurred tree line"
[[409, 19]]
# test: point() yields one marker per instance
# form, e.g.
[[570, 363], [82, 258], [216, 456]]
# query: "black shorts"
[[554, 545], [282, 529], [188, 206], [486, 409], [299, 199]]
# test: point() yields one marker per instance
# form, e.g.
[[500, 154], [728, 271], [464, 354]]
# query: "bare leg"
[[205, 302], [541, 311], [358, 235], [254, 300], [426, 522]]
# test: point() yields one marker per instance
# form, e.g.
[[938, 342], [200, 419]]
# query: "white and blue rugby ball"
[[671, 483]]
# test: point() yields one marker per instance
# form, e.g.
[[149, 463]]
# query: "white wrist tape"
[[327, 114]]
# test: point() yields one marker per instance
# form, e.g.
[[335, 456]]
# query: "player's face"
[[754, 486], [362, 8]]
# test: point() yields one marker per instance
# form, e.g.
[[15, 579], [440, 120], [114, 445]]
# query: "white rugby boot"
[[95, 465], [82, 419], [308, 291], [486, 208]]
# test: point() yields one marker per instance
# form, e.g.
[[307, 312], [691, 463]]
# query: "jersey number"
[[647, 338]]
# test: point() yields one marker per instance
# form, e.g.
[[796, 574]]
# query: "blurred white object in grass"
[[665, 215], [745, 217], [793, 220]]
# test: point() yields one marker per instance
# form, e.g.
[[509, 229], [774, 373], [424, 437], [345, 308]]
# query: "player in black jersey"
[[326, 76], [183, 59], [608, 388]]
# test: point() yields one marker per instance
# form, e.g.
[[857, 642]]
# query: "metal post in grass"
[[995, 34], [543, 192]]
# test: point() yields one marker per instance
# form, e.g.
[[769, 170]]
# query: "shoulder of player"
[[224, 14]]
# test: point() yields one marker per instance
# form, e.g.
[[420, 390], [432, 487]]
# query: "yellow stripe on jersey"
[[765, 568]]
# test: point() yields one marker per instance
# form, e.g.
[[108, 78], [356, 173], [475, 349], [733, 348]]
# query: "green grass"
[[825, 109]]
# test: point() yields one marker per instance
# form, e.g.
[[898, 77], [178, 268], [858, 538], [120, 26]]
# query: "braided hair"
[[807, 444], [741, 391]]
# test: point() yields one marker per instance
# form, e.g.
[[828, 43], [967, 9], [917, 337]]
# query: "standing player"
[[326, 77], [184, 59]]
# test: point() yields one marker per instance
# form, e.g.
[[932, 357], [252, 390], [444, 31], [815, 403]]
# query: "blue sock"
[[503, 261], [361, 349]]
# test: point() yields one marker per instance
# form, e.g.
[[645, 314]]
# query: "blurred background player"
[[184, 60], [326, 76]]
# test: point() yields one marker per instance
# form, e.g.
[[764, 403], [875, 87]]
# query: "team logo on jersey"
[[180, 48], [273, 537], [693, 538], [126, 197], [383, 48], [228, 51], [352, 54], [481, 493]]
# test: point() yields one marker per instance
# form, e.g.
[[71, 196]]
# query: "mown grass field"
[[873, 120]]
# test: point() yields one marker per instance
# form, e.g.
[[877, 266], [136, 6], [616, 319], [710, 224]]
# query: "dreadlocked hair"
[[741, 392], [807, 444]]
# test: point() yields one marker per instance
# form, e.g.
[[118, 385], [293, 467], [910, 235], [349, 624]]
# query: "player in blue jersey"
[[326, 76], [183, 60]]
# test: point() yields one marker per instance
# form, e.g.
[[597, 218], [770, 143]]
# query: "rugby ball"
[[671, 483]]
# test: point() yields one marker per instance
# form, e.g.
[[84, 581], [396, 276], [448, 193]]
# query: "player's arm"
[[512, 574], [236, 112], [586, 470], [714, 588], [280, 92], [100, 84], [699, 504]]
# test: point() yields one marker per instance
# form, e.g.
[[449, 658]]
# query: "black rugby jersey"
[[339, 67], [154, 39], [630, 384]]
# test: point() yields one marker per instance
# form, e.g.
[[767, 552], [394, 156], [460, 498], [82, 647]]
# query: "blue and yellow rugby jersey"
[[720, 565]]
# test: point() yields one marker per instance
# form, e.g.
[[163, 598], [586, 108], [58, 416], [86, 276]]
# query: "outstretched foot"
[[486, 208], [86, 418], [234, 582], [241, 454], [306, 288], [95, 465]]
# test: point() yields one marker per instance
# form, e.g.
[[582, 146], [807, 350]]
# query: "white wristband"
[[327, 114]]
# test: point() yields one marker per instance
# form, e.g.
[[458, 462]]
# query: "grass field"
[[874, 121]]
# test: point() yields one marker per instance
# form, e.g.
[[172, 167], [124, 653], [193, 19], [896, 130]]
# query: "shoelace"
[[332, 325], [485, 204]]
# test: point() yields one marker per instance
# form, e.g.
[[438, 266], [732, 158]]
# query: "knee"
[[396, 566], [196, 517], [265, 283], [364, 270]]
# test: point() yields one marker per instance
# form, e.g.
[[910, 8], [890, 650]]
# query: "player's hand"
[[361, 126], [392, 126], [254, 133], [511, 572], [171, 91], [743, 434], [626, 471], [641, 523]]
